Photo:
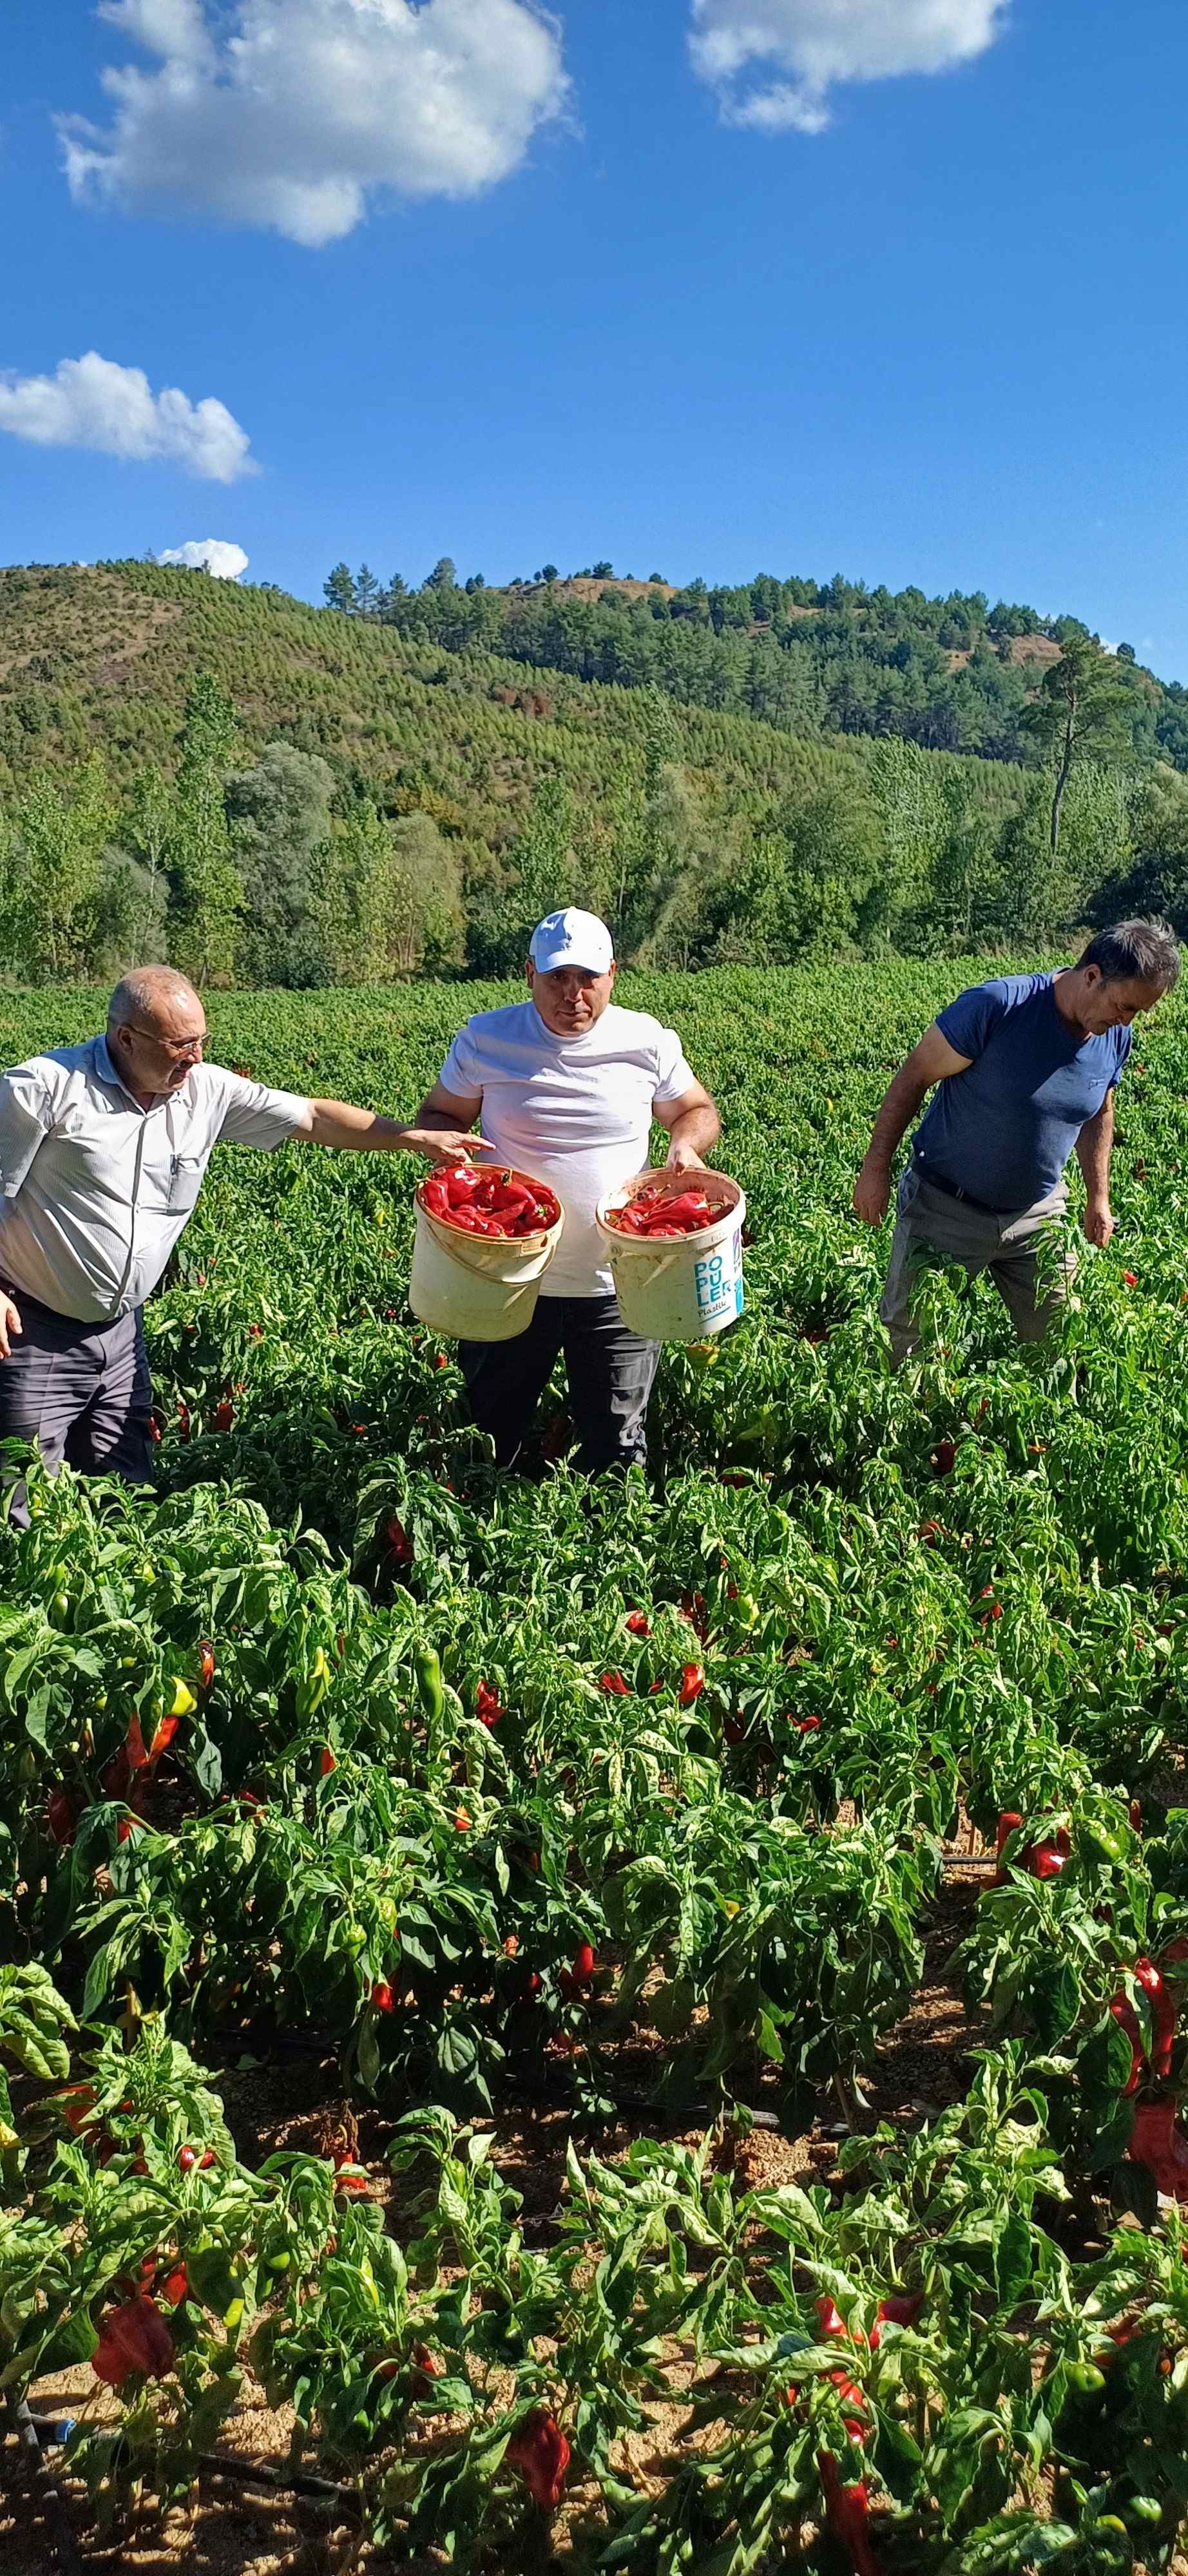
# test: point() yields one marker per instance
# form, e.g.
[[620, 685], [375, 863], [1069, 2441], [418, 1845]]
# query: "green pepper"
[[1144, 2509], [427, 1667], [313, 1686], [1100, 1840], [1086, 2378]]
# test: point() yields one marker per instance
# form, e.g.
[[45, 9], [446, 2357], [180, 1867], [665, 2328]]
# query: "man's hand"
[[443, 1145], [872, 1189], [1097, 1222], [681, 1158], [10, 1325]]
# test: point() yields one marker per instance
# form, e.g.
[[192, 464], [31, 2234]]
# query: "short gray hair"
[[138, 994], [1141, 952]]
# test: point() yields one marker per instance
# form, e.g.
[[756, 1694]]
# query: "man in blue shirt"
[[1024, 1069]]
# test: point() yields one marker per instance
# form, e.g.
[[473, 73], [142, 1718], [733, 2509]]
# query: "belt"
[[949, 1190]]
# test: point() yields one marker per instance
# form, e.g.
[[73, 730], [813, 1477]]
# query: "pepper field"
[[578, 2116]]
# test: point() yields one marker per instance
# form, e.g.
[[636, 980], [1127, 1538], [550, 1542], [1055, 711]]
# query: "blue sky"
[[520, 290]]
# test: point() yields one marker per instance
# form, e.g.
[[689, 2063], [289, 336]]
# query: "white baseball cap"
[[572, 938]]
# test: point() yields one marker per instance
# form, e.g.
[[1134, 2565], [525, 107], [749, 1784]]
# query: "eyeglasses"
[[176, 1047]]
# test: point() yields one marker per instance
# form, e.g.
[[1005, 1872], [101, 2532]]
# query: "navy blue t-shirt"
[[1004, 1129]]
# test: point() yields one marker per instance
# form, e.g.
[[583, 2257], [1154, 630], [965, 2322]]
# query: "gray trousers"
[[610, 1373], [931, 1221], [81, 1391]]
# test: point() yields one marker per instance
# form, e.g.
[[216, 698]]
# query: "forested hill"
[[952, 674], [271, 792]]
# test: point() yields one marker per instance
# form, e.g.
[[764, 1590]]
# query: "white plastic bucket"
[[475, 1287], [679, 1291]]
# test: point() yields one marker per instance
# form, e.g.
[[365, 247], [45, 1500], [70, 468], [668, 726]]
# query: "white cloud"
[[774, 62], [293, 114], [91, 402], [220, 557]]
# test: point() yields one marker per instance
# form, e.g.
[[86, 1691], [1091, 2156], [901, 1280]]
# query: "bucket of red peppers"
[[674, 1244], [485, 1237]]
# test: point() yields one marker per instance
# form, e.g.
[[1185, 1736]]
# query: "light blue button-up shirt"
[[95, 1189]]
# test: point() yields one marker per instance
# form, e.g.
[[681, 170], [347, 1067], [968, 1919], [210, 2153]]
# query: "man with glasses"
[[102, 1151]]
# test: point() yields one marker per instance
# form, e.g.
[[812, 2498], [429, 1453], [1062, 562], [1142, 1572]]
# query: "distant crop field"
[[510, 1999]]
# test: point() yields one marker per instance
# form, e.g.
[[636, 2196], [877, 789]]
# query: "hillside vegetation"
[[278, 793]]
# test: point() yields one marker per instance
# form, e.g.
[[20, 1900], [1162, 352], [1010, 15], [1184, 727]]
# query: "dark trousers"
[[610, 1373], [81, 1391]]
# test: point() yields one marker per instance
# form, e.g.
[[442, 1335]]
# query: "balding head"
[[148, 991], [155, 1030]]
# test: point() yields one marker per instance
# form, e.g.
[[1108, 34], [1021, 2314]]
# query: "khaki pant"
[[930, 1221]]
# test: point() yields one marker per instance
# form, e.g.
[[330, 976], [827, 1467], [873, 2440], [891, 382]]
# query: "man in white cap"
[[567, 1085]]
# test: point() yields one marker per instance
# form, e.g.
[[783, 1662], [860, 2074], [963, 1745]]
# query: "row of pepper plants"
[[537, 1792]]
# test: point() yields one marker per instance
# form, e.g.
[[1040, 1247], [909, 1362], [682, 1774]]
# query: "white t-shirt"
[[575, 1112]]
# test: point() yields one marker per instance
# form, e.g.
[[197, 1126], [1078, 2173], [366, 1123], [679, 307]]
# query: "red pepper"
[[539, 2452], [163, 1736], [327, 1762], [615, 1684], [61, 1816], [807, 1725], [1046, 1860], [223, 1415], [488, 1706], [847, 2515], [583, 1971], [134, 2337], [176, 2286], [435, 1198], [901, 2310], [831, 2321], [1157, 2143], [1163, 2015], [382, 1997], [692, 1684], [137, 1756], [1128, 2020], [398, 1538], [638, 1624], [462, 1184]]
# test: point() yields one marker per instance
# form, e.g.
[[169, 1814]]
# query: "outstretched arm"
[[1095, 1144], [348, 1130], [933, 1060], [693, 1126]]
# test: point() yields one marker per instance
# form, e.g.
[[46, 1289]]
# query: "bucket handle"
[[442, 1233]]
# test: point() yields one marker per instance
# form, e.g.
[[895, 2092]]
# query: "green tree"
[[1079, 709], [389, 898], [908, 794], [367, 592], [279, 813], [207, 890], [542, 858], [62, 837], [444, 575], [146, 831], [338, 590]]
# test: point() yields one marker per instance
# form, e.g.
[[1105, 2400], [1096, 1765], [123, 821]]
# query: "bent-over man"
[[567, 1085], [1025, 1068], [102, 1151]]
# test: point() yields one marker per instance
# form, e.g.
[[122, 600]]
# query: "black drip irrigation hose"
[[64, 2544], [47, 2432]]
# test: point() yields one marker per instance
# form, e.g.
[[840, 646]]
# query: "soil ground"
[[296, 2101]]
